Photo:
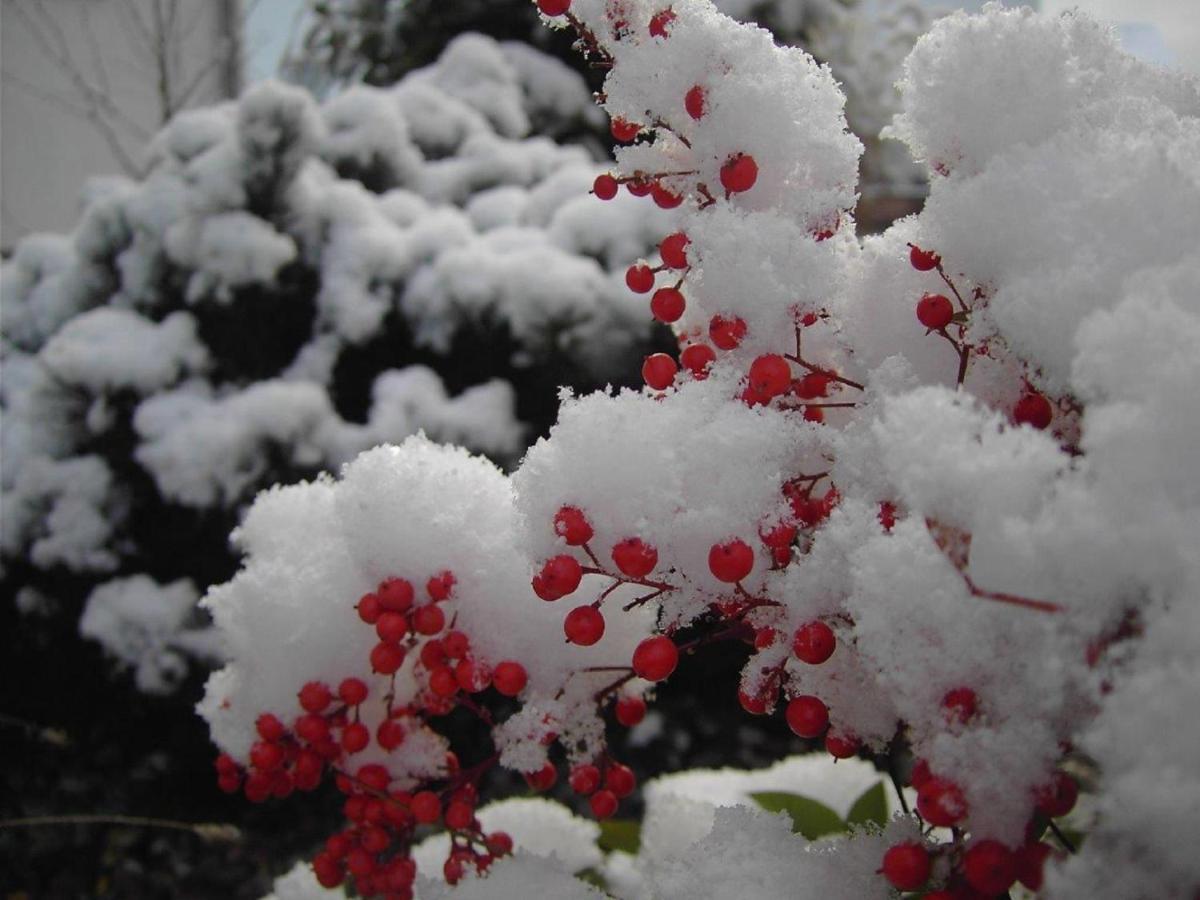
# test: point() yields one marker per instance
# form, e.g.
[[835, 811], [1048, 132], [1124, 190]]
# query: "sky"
[[1160, 31]]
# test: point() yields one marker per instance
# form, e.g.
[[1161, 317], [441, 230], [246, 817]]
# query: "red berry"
[[471, 678], [312, 728], [429, 619], [265, 756], [659, 371], [258, 786], [620, 780], [543, 779], [638, 187], [697, 358], [694, 102], [807, 716], [624, 131], [585, 779], [906, 866], [269, 729], [673, 250], [814, 643], [756, 705], [604, 804], [634, 557], [374, 776], [572, 526], [887, 515], [739, 173], [560, 576], [391, 627], [989, 867], [655, 658], [426, 807], [328, 871], [605, 187], [387, 658], [935, 311], [1058, 797], [459, 816], [770, 374], [841, 746], [509, 678], [369, 608], [389, 734], [920, 774], [456, 644], [226, 764], [499, 843], [640, 278], [764, 637], [584, 626], [355, 737], [395, 594], [440, 586], [667, 305], [663, 197], [726, 333], [433, 654], [960, 704], [353, 691], [1033, 410], [941, 802], [923, 260], [314, 697], [374, 839], [1030, 862], [813, 385], [553, 8], [730, 562], [660, 22], [630, 710], [442, 682]]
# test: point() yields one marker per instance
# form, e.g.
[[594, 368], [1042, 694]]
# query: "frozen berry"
[[739, 173], [960, 705], [841, 746], [630, 710], [355, 737], [770, 374], [560, 576], [269, 728], [694, 102], [391, 627], [509, 678], [673, 250], [941, 802], [440, 586], [664, 197], [935, 311], [395, 594], [659, 371], [353, 691], [1033, 410], [634, 557], [640, 278], [660, 22], [429, 619], [585, 779], [655, 658], [923, 260], [605, 187], [624, 131], [553, 8], [807, 716], [543, 779], [731, 562], [696, 358], [387, 658], [667, 304], [906, 866], [1058, 797], [814, 643], [389, 734], [426, 807], [726, 333], [572, 526], [603, 803], [584, 626], [620, 780], [315, 696], [369, 608], [989, 867]]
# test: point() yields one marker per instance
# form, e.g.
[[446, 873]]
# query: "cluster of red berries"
[[604, 785]]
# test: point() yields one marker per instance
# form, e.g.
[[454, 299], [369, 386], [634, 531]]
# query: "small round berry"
[[941, 802], [664, 197], [328, 871], [726, 333], [1030, 863], [659, 371], [472, 677], [1058, 797], [387, 658], [499, 843], [269, 728], [935, 311], [459, 816], [426, 807], [391, 627], [696, 358], [989, 867], [509, 678], [920, 774], [604, 804], [315, 696], [638, 187], [395, 594], [906, 866], [585, 779], [624, 131], [560, 576], [841, 746], [440, 586], [960, 705], [923, 260], [456, 644], [630, 710], [764, 637], [374, 839], [770, 374], [655, 658], [634, 557], [814, 414], [807, 716], [543, 779], [730, 562], [389, 734], [620, 780], [355, 737], [442, 682], [887, 515], [1033, 410], [605, 187], [739, 173], [312, 727], [433, 654], [353, 691], [667, 305], [553, 8], [673, 250], [813, 385], [572, 526], [814, 643], [266, 756], [694, 102], [429, 619], [660, 23], [640, 278], [369, 608], [584, 626], [755, 704]]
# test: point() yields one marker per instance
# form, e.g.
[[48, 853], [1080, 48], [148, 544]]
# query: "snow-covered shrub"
[[291, 284], [944, 480]]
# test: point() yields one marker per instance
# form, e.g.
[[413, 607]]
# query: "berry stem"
[[1027, 603], [1062, 838], [946, 278], [799, 360]]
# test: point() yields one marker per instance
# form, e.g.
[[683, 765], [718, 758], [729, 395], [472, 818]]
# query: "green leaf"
[[870, 807], [809, 818], [620, 834]]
